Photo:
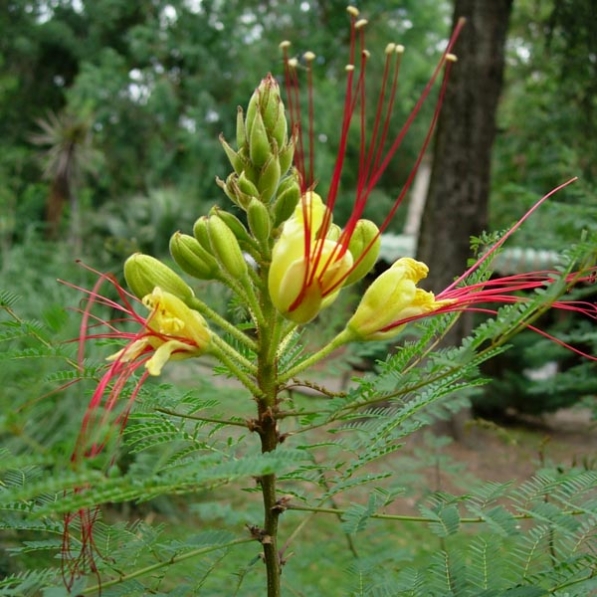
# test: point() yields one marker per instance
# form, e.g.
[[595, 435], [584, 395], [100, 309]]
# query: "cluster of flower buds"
[[265, 151], [289, 231]]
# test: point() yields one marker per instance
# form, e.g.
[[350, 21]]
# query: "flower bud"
[[269, 179], [259, 144], [286, 155], [226, 248], [192, 258], [267, 102], [144, 273], [289, 193], [229, 187], [364, 245], [259, 221], [246, 186], [235, 225], [233, 191], [201, 233]]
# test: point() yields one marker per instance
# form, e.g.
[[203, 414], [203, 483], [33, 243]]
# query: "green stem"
[[343, 337], [267, 405], [233, 354], [173, 560], [222, 323], [173, 413], [236, 371]]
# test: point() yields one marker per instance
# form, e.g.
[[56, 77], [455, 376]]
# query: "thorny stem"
[[267, 427]]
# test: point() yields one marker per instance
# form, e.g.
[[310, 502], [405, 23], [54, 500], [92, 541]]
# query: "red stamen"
[[372, 162]]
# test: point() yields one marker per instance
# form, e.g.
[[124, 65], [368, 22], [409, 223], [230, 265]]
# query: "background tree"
[[69, 156], [457, 202]]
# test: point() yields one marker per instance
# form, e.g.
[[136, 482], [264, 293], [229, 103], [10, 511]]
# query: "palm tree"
[[70, 155]]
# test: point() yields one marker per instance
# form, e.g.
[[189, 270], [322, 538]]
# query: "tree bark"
[[457, 201]]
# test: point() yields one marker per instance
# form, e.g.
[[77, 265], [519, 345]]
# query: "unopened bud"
[[236, 226], [289, 194], [246, 186], [192, 258], [144, 273], [226, 248], [286, 155], [364, 245], [259, 221], [201, 233], [269, 179], [259, 145], [265, 124]]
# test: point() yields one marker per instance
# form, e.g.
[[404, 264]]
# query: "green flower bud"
[[269, 179], [192, 258], [226, 248], [233, 191], [289, 193], [259, 144], [267, 102], [201, 233], [259, 221], [229, 188], [364, 245], [144, 273], [246, 186], [286, 156], [235, 225]]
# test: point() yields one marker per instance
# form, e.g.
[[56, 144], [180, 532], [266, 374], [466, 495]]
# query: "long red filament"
[[372, 160]]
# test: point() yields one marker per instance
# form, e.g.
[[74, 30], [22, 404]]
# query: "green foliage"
[[342, 461]]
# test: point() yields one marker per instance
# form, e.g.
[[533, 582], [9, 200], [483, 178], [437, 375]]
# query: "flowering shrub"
[[286, 262]]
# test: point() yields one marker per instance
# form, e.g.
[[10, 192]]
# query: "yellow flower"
[[172, 331], [306, 272], [393, 298]]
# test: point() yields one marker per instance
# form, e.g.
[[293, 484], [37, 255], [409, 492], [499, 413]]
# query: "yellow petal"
[[391, 298]]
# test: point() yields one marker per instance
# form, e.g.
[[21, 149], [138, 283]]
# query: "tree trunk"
[[59, 197], [457, 202]]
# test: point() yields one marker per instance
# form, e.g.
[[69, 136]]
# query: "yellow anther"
[[451, 57], [390, 48], [352, 11], [309, 56], [349, 68], [284, 44], [399, 49], [360, 23], [292, 62], [366, 54]]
